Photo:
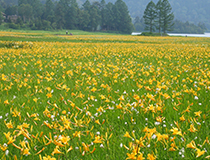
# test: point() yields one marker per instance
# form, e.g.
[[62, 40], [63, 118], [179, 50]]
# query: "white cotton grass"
[[196, 98]]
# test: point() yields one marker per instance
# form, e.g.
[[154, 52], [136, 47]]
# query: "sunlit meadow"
[[104, 97]]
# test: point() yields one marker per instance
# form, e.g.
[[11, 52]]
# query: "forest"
[[66, 14], [190, 17]]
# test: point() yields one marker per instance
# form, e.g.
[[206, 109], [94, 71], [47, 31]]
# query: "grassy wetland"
[[103, 97]]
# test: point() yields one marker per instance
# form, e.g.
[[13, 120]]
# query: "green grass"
[[60, 32]]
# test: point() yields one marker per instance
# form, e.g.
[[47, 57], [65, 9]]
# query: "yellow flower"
[[6, 102], [192, 128], [64, 139], [207, 157], [151, 157], [9, 125], [7, 135], [93, 89], [86, 147], [176, 131], [26, 151], [97, 121], [35, 99], [48, 158], [140, 157], [49, 95], [182, 118], [98, 139], [25, 125], [159, 137], [3, 148], [172, 149], [131, 156], [121, 98], [127, 135], [198, 113], [71, 148], [191, 145], [159, 119], [56, 151], [64, 112], [199, 153]]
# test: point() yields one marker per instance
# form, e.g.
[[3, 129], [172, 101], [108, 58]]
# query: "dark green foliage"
[[150, 15], [193, 11], [122, 17], [186, 27], [12, 25], [139, 24], [48, 13], [66, 14], [25, 11], [1, 18], [159, 20], [109, 23], [152, 34], [167, 16], [11, 10]]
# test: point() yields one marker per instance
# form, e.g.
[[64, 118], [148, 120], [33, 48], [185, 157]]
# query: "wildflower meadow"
[[104, 97]]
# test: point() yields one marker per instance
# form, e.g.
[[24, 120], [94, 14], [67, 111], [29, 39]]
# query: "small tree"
[[149, 16]]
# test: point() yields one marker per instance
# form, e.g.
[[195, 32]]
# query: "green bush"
[[12, 25], [153, 34]]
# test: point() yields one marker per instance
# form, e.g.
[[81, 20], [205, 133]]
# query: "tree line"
[[66, 14], [160, 18]]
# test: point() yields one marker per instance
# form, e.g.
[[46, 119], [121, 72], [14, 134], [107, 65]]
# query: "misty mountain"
[[193, 11]]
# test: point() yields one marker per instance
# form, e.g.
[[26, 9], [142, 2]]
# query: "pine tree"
[[72, 15], [49, 11], [109, 17], [150, 15], [159, 10], [60, 15], [167, 16], [103, 12], [26, 11], [94, 17], [122, 18]]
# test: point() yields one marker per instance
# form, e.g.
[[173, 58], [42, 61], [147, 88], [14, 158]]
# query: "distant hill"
[[193, 11]]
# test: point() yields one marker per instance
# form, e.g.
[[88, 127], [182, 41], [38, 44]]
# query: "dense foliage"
[[186, 27], [66, 14], [193, 11]]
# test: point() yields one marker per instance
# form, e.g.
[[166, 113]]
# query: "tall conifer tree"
[[150, 15], [159, 10], [122, 18], [167, 16]]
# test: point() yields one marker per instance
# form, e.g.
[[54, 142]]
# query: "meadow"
[[103, 97]]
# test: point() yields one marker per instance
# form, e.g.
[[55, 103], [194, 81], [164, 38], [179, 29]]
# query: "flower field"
[[104, 97]]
